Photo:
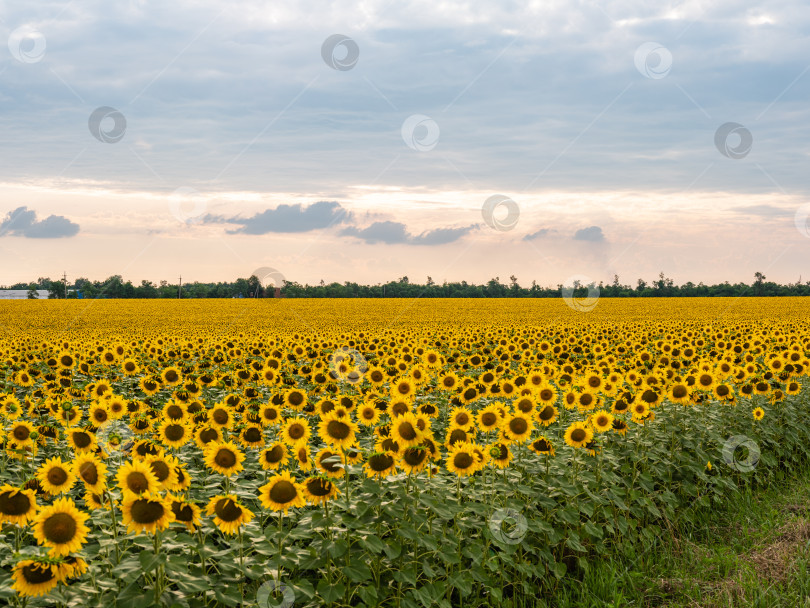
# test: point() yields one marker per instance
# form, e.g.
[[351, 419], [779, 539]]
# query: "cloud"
[[287, 218], [592, 234], [539, 234], [23, 222], [391, 233], [763, 210]]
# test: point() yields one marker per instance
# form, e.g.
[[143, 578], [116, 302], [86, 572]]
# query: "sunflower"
[[251, 436], [499, 454], [380, 465], [793, 388], [407, 431], [71, 567], [81, 440], [149, 385], [174, 412], [413, 459], [516, 427], [270, 414], [55, 476], [376, 376], [164, 467], [460, 418], [61, 527], [221, 416], [601, 421], [295, 430], [229, 513], [137, 478], [488, 418], [99, 414], [117, 406], [461, 459], [224, 457], [404, 388], [20, 433], [318, 490], [330, 463], [95, 500], [186, 513], [130, 367], [578, 435], [302, 456], [206, 434], [171, 376], [274, 457], [282, 492], [640, 410], [758, 413], [295, 399], [448, 381], [547, 415], [705, 381], [542, 445], [679, 393], [368, 415], [723, 392], [337, 432], [17, 506], [33, 578], [148, 513]]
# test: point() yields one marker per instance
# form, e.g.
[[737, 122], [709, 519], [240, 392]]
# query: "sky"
[[366, 141]]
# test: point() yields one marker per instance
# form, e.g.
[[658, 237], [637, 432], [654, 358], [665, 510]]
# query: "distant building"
[[22, 294]]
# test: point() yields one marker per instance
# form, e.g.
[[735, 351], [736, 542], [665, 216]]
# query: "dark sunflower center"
[[227, 510], [722, 390], [21, 433], [14, 504], [403, 388], [208, 435], [171, 376], [174, 412], [337, 429], [463, 460], [270, 413], [542, 445], [36, 574], [59, 528], [601, 421], [160, 469], [57, 476], [489, 419], [220, 416], [137, 482], [368, 413], [182, 513], [547, 413], [546, 394], [407, 431], [705, 380], [389, 444], [275, 454], [318, 487], [586, 399], [100, 415], [175, 432], [296, 398], [414, 457], [331, 467], [457, 435], [147, 511], [578, 435], [380, 462], [283, 492], [296, 431], [462, 419], [518, 426], [81, 439], [225, 458], [679, 391], [253, 435], [129, 366]]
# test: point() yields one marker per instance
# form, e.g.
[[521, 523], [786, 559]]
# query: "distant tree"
[[32, 292]]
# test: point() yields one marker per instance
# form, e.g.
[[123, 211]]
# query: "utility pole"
[[64, 279], [179, 286]]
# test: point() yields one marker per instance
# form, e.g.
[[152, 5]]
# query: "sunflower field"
[[375, 452]]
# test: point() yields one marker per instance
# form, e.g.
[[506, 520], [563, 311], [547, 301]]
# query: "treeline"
[[251, 287]]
